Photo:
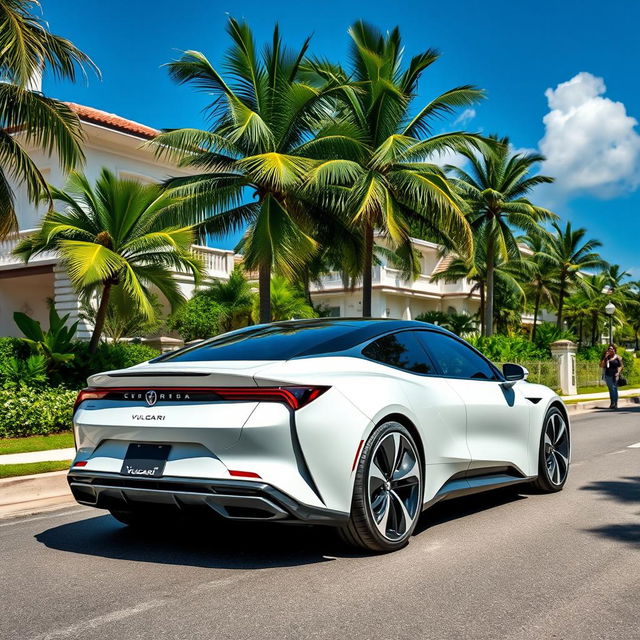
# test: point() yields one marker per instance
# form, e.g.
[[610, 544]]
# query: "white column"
[[564, 353], [66, 302]]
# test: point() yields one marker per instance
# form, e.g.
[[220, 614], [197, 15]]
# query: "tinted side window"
[[400, 350], [454, 358]]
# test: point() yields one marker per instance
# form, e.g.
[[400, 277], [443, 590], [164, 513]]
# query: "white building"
[[112, 142], [118, 144], [395, 297]]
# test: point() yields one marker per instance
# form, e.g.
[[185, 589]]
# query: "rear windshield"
[[273, 342]]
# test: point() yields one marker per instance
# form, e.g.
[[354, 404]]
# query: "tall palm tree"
[[511, 273], [257, 153], [26, 49], [495, 188], [113, 235], [386, 179], [570, 254], [543, 282]]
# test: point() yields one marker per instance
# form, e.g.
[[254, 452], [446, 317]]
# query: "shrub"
[[29, 372], [108, 356], [200, 317], [26, 412], [501, 348]]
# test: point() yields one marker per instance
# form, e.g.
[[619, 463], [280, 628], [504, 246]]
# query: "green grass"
[[12, 470], [603, 388], [36, 443]]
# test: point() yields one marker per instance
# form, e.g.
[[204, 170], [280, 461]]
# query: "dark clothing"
[[612, 367]]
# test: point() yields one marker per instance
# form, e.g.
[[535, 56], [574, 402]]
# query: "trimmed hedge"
[[28, 412], [73, 375]]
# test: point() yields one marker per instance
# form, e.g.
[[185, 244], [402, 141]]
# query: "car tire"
[[554, 453], [388, 491]]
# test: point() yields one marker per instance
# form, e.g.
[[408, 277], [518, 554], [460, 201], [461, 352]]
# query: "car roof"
[[293, 339]]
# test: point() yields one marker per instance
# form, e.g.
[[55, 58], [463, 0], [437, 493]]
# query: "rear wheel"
[[555, 452], [387, 496]]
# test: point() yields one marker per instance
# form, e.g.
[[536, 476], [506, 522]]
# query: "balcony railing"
[[9, 244], [218, 263], [392, 278]]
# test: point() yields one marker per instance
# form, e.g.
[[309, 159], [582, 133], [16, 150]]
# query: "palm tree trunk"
[[535, 314], [100, 318], [580, 332], [594, 327], [482, 308], [488, 310], [307, 286], [560, 305], [264, 292], [367, 273]]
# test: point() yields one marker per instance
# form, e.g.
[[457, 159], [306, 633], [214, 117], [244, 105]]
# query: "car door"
[[441, 413], [497, 416]]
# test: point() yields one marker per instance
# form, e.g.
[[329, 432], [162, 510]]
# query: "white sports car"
[[360, 424]]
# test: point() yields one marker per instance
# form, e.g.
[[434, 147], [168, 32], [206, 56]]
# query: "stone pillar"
[[564, 355]]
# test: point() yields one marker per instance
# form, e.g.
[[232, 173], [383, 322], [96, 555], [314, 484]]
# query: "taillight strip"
[[295, 397]]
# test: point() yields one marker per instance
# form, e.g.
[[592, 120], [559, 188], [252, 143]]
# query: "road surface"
[[502, 565]]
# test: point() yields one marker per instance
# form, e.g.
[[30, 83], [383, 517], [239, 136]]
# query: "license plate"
[[145, 460]]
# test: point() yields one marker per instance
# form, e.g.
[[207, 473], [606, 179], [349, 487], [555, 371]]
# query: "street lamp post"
[[610, 309]]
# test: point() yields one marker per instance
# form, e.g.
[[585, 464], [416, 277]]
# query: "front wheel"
[[387, 496], [554, 453]]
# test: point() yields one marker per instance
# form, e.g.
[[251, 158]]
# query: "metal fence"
[[540, 371], [589, 374]]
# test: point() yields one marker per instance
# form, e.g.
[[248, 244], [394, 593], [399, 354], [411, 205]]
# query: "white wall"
[[26, 293]]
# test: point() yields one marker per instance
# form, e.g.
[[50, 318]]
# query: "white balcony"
[[9, 261], [218, 263], [388, 278]]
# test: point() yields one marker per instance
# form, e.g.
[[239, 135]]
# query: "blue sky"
[[561, 77]]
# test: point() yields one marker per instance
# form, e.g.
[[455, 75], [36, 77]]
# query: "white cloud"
[[465, 116], [590, 142]]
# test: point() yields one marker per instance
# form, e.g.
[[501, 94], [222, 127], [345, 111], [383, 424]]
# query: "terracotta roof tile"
[[112, 121]]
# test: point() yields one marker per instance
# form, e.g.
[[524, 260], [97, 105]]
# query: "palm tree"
[[570, 254], [236, 297], [288, 301], [543, 283], [385, 178], [114, 235], [261, 143], [494, 188], [27, 48], [511, 273]]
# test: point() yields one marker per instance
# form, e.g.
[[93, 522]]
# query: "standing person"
[[612, 364]]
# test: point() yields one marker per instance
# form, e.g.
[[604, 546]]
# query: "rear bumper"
[[231, 499]]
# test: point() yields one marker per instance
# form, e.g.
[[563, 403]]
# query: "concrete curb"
[[17, 493], [594, 405]]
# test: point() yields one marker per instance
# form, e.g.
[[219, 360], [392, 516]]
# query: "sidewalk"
[[38, 456], [604, 395]]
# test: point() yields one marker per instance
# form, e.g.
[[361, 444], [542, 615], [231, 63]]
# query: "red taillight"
[[294, 397], [243, 474], [81, 463], [90, 394]]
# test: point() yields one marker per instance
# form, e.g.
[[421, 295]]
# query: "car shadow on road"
[[223, 545], [627, 491], [449, 510], [203, 544]]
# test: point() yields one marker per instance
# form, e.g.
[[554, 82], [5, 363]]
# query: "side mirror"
[[513, 373]]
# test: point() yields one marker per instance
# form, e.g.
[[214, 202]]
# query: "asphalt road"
[[504, 565]]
